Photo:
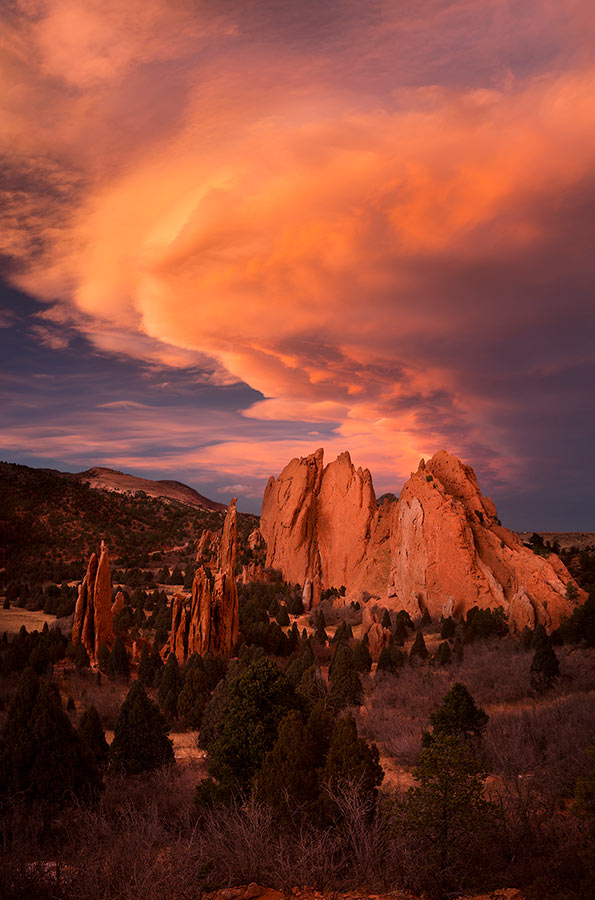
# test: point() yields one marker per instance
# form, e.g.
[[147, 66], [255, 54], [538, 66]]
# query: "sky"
[[232, 233]]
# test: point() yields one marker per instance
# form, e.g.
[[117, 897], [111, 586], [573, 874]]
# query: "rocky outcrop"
[[211, 623], [323, 527], [93, 622], [207, 546], [378, 638], [450, 553]]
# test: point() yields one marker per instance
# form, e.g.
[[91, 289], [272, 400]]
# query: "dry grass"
[[12, 620]]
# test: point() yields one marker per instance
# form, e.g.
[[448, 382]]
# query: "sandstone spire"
[[93, 622], [211, 625]]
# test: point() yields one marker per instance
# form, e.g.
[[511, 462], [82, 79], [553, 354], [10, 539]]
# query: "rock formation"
[[211, 624], [450, 553], [440, 547], [93, 622], [378, 638], [323, 527]]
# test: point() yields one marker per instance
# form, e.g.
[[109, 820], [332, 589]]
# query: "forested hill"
[[52, 522]]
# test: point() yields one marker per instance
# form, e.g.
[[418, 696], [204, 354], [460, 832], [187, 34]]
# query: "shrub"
[[92, 734]]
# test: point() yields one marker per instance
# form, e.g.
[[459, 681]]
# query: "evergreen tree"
[[287, 780], [448, 628], [140, 741], [426, 618], [401, 633], [386, 620], [170, 687], [299, 665], [193, 698], [444, 655], [545, 668], [458, 650], [391, 659], [41, 755], [145, 669], [350, 761], [418, 651], [156, 664], [458, 715], [448, 813], [345, 684], [361, 656], [118, 664], [92, 734], [526, 638], [81, 658], [312, 688], [405, 618], [257, 700], [282, 616]]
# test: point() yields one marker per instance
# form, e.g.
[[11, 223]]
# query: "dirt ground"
[[12, 619]]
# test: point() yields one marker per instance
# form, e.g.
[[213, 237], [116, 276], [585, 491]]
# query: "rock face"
[[211, 624], [93, 622], [450, 553], [323, 528]]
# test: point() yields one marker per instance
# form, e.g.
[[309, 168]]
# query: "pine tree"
[[170, 687], [193, 698], [118, 664], [455, 827], [391, 659], [426, 618], [92, 734], [350, 762], [386, 620], [41, 755], [299, 665], [361, 656], [145, 669], [140, 741], [448, 628], [418, 651], [458, 715], [287, 780], [545, 668], [282, 617], [345, 684], [312, 688], [400, 634], [156, 664], [444, 655], [257, 700]]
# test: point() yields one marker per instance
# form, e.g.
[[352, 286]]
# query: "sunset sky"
[[232, 232]]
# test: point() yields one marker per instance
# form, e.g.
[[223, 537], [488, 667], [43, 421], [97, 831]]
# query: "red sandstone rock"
[[211, 625], [378, 638], [93, 622], [323, 529], [450, 553]]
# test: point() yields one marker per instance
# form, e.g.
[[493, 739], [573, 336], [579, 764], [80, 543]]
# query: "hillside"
[[51, 522], [101, 478]]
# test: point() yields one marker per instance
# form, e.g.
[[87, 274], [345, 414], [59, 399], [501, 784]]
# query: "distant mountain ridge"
[[102, 478]]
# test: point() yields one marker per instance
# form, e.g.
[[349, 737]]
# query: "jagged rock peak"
[[449, 551], [211, 624], [322, 527]]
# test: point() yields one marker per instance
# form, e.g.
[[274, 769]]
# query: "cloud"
[[368, 238]]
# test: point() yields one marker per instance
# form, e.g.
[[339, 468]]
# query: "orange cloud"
[[288, 237]]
